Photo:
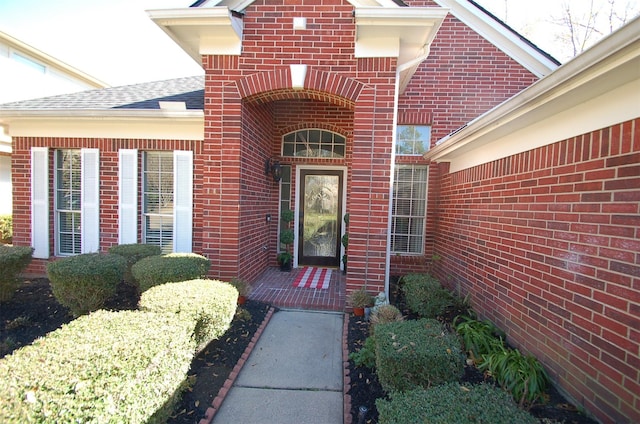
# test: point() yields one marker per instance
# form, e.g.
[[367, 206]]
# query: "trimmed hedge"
[[133, 253], [210, 304], [416, 353], [425, 295], [83, 283], [106, 367], [155, 270], [452, 403], [13, 260]]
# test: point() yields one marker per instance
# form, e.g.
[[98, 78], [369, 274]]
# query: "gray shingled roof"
[[138, 96]]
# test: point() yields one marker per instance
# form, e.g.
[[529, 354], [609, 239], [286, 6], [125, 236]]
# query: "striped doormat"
[[313, 278]]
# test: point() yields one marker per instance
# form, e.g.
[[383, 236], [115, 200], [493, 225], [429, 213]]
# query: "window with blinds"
[[158, 198], [68, 200], [409, 208]]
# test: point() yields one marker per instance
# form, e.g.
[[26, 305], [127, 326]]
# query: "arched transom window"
[[313, 143]]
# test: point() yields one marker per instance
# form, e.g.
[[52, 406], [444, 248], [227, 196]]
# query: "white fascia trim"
[[583, 85], [67, 70], [505, 40], [201, 30], [128, 124], [402, 32]]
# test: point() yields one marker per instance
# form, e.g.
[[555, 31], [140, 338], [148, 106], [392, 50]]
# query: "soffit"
[[385, 30]]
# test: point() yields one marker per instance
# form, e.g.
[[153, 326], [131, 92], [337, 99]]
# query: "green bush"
[[133, 253], [521, 375], [83, 283], [155, 270], [13, 260], [416, 353], [366, 356], [425, 296], [479, 337], [452, 403], [210, 304], [106, 367], [6, 229]]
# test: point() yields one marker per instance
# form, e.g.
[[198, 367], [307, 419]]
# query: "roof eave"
[[201, 30], [531, 58], [402, 32], [612, 63]]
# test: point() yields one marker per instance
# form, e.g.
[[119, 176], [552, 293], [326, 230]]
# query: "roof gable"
[[502, 36]]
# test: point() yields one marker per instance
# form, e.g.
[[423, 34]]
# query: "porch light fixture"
[[274, 168]]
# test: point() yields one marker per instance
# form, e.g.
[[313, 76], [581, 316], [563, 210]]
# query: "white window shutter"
[[128, 196], [90, 200], [182, 201], [40, 202]]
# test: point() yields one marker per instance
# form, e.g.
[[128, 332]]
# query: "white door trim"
[[296, 220]]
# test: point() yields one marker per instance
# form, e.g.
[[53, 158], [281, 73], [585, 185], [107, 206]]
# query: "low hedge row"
[[452, 403], [416, 353], [210, 304], [133, 253], [126, 366], [83, 283], [155, 270], [13, 260]]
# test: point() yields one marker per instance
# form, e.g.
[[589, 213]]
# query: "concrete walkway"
[[293, 375]]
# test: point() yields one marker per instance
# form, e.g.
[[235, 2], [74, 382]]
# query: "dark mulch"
[[34, 311], [365, 388]]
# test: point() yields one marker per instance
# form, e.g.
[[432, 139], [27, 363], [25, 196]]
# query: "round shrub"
[[210, 304], [155, 270], [83, 283], [133, 253], [425, 296], [13, 260]]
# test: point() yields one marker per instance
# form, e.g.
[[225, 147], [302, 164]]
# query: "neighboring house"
[[440, 132], [27, 73]]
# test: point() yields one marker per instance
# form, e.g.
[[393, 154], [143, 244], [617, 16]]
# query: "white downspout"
[[396, 95]]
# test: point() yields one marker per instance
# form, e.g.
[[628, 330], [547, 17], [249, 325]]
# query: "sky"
[[116, 42]]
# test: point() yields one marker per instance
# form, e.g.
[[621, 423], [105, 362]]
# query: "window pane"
[[413, 139], [67, 202], [408, 209], [313, 143], [158, 200]]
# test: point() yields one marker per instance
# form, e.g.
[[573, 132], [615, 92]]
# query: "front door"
[[320, 217]]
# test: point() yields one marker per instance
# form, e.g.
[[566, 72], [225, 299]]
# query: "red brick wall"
[[334, 98], [547, 242], [21, 180], [463, 77]]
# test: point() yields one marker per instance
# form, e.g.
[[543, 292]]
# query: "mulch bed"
[[365, 388], [34, 311]]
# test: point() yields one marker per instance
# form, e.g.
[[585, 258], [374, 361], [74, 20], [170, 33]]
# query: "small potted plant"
[[243, 287], [360, 299]]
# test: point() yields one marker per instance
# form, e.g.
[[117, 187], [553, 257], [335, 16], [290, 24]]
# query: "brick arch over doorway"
[[319, 85]]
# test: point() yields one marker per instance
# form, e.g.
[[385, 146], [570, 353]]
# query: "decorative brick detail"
[[546, 243]]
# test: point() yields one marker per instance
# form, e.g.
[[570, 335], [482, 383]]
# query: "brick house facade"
[[326, 89]]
